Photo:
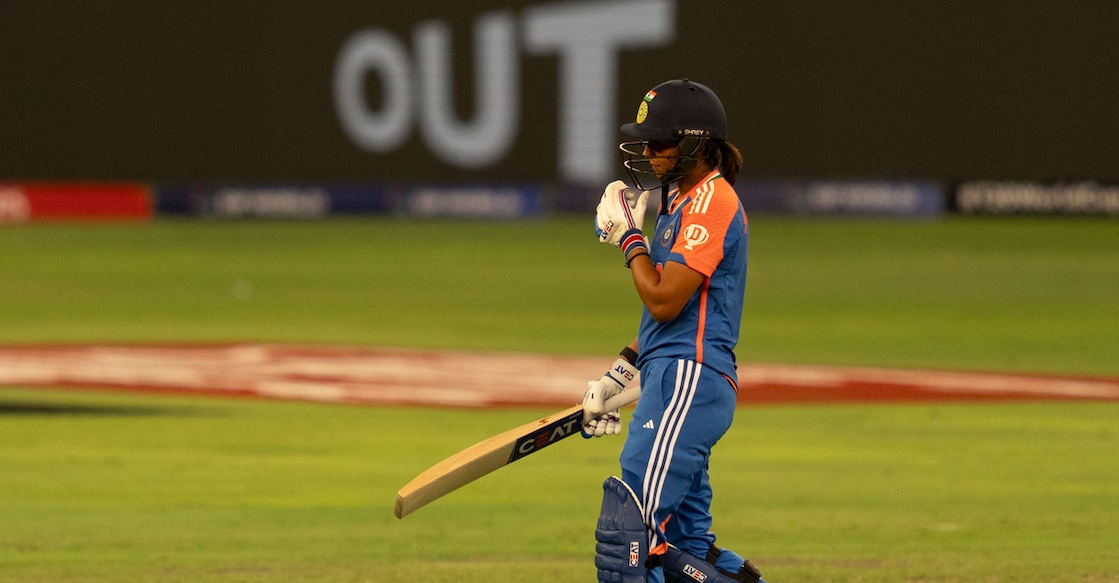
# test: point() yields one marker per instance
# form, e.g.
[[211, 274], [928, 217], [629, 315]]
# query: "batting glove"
[[619, 211], [609, 423], [615, 381]]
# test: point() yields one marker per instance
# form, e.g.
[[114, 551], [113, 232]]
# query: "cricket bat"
[[495, 452]]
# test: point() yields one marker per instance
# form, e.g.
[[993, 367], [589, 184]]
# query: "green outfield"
[[102, 486], [106, 487], [998, 294]]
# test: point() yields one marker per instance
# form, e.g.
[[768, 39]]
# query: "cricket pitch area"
[[412, 377]]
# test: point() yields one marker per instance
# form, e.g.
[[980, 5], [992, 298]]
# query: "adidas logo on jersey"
[[648, 425]]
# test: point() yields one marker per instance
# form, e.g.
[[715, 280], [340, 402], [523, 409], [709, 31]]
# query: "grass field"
[[1010, 294], [125, 487], [104, 487]]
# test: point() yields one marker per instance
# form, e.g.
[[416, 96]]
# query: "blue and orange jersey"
[[707, 230]]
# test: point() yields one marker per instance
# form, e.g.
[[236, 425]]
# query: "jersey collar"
[[675, 199]]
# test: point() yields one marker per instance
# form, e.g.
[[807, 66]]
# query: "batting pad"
[[623, 543]]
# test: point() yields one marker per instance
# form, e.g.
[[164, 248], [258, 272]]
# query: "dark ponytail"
[[730, 161], [726, 157]]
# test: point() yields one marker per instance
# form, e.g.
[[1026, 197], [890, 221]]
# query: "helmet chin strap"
[[685, 165]]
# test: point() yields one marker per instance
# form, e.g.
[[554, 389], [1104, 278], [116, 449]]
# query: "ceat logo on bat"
[[694, 236], [547, 435], [634, 553]]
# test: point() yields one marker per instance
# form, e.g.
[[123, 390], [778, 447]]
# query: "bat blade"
[[493, 453]]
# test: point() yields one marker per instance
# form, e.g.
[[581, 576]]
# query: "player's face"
[[662, 155]]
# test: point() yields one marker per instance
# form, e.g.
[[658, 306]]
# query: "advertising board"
[[55, 201]]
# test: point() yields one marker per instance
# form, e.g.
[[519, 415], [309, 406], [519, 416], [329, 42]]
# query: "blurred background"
[[482, 108], [932, 185], [344, 122]]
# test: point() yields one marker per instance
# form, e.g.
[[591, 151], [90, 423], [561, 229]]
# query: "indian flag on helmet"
[[643, 109]]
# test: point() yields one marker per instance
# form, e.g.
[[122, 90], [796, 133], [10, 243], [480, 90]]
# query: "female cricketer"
[[655, 523]]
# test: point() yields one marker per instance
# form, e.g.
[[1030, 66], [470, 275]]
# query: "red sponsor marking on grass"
[[386, 376]]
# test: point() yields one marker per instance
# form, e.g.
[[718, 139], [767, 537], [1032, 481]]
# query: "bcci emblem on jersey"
[[666, 237]]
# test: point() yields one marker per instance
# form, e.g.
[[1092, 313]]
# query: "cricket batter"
[[655, 524]]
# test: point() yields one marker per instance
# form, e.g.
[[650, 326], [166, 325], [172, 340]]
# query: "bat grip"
[[622, 399]]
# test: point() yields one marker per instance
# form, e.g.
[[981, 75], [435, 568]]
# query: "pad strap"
[[623, 543], [683, 566]]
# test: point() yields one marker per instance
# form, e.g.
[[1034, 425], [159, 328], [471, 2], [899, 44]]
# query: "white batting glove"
[[615, 381], [620, 210], [609, 423]]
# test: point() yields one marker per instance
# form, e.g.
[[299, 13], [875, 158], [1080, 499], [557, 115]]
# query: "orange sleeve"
[[703, 226]]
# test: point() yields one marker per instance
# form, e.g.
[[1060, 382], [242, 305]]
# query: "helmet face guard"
[[639, 166], [682, 112]]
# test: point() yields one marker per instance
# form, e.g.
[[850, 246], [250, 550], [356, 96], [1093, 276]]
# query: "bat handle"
[[622, 399]]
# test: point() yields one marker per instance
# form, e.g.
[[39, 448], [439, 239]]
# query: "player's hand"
[[620, 210], [610, 423], [599, 421], [620, 375]]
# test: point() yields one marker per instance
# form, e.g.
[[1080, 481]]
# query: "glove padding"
[[609, 423], [620, 210], [601, 422]]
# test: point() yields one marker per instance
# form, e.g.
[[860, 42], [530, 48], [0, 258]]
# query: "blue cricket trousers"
[[684, 409]]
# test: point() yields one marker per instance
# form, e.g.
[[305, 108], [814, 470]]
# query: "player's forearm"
[[659, 299]]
